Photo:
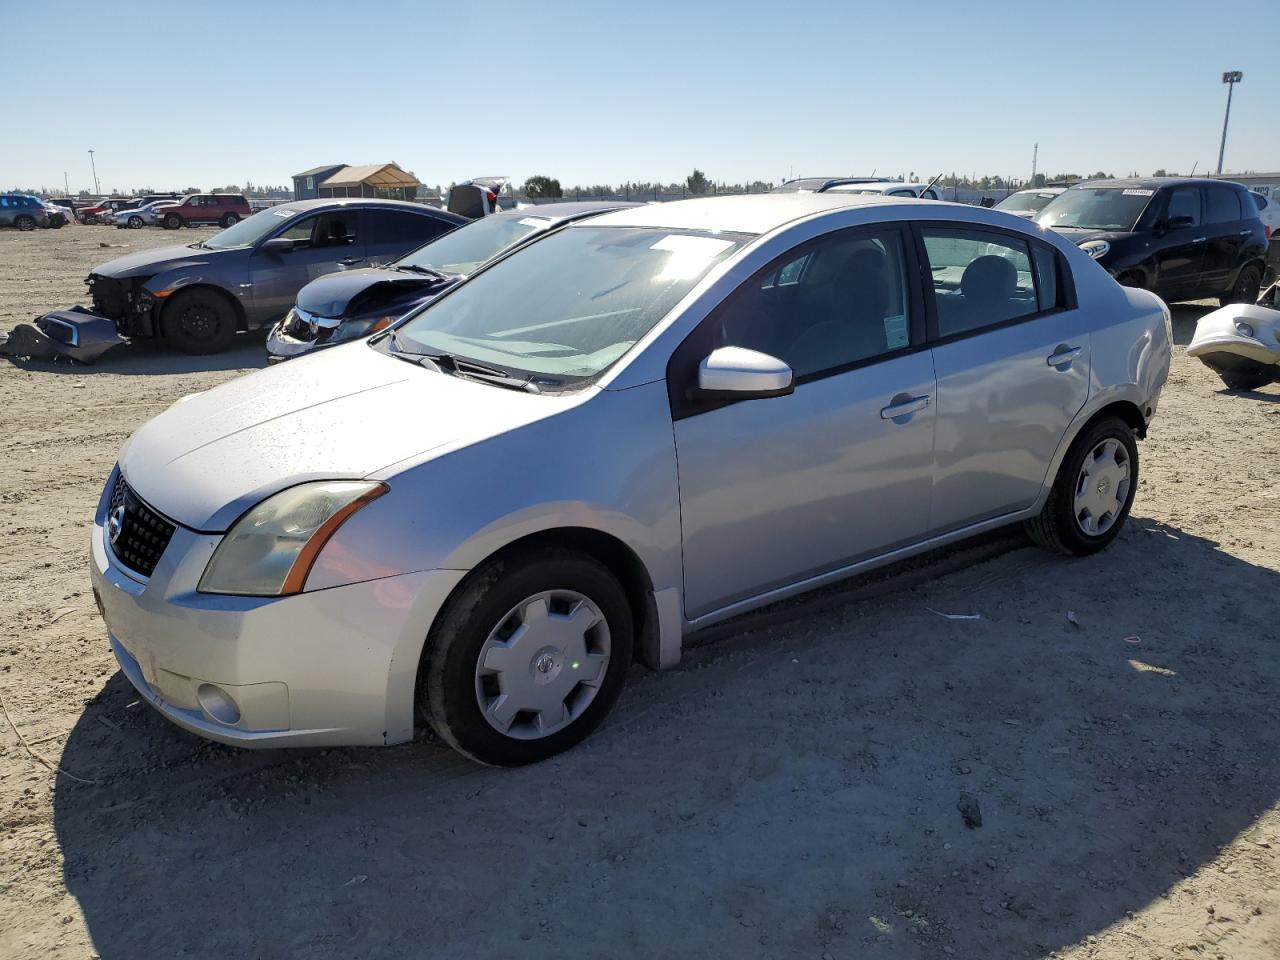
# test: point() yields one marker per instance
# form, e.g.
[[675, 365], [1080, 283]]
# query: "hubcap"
[[1102, 487], [199, 322], [542, 665]]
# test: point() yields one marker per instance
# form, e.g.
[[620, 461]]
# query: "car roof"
[[747, 213], [1148, 183], [572, 210], [880, 185], [333, 203]]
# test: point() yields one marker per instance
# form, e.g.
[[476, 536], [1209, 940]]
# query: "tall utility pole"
[[1035, 155], [66, 185], [96, 188], [1230, 78]]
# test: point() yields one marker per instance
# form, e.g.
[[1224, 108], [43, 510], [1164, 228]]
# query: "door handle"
[[350, 260], [903, 405], [1246, 233], [1199, 240], [1063, 356]]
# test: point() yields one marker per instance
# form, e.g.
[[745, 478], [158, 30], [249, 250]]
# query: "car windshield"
[[1025, 201], [460, 251], [801, 186], [251, 229], [569, 305], [1096, 208]]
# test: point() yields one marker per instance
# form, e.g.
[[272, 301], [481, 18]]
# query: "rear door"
[[1226, 234], [1011, 354], [323, 243], [1180, 243], [390, 233]]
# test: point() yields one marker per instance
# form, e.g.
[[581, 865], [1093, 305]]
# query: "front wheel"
[[230, 220], [135, 223], [527, 658], [1246, 288], [1092, 493], [198, 322], [172, 221]]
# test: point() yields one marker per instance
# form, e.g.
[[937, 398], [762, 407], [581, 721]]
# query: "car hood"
[[1078, 235], [146, 263], [331, 295], [339, 414]]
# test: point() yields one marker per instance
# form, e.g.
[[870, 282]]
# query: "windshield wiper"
[[428, 271]]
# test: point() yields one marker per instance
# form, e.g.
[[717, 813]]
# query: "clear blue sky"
[[213, 93]]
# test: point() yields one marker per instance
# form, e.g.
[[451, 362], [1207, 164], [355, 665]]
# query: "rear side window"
[[1221, 205], [1251, 204], [979, 278], [400, 228]]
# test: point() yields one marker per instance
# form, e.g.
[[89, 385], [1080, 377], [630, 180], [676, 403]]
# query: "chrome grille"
[[137, 534]]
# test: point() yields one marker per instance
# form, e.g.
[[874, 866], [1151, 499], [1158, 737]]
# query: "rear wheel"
[[199, 322], [1247, 286], [528, 658], [25, 222], [172, 221], [1092, 493], [230, 220]]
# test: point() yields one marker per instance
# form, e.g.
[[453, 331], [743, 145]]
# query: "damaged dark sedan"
[[357, 303], [197, 297]]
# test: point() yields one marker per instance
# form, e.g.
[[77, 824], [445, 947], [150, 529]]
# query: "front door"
[[323, 243], [1012, 361], [1180, 247], [773, 491]]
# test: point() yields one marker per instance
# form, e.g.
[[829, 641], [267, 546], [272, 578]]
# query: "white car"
[[1268, 213], [888, 188], [1027, 203], [147, 215]]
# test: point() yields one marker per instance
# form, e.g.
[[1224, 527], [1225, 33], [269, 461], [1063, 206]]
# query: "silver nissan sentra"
[[632, 428]]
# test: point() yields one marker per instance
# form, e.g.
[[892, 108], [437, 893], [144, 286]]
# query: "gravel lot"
[[790, 791]]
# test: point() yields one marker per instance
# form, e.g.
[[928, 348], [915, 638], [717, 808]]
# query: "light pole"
[[96, 189], [1230, 78]]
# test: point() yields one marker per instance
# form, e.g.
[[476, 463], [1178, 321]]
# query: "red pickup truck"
[[224, 209]]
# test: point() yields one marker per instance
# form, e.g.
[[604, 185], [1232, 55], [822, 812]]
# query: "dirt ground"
[[791, 790]]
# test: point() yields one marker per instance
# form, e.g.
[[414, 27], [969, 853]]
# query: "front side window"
[[334, 229], [1184, 202], [464, 249], [979, 278], [569, 305], [843, 301]]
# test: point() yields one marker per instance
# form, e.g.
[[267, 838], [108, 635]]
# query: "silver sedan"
[[635, 427]]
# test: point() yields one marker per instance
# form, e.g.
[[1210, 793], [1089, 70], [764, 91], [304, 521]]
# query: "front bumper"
[[281, 346], [75, 333], [326, 668]]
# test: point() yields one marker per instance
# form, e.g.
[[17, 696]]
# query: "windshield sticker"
[[277, 212], [1139, 193], [895, 331], [686, 246], [532, 222]]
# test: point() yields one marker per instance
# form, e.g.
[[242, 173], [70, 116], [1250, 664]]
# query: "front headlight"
[[271, 549], [1095, 248], [354, 329]]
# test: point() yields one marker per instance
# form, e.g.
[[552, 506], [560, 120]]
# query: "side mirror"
[[1179, 223], [276, 246], [736, 373]]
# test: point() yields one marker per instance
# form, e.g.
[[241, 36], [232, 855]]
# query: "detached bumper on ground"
[[76, 334]]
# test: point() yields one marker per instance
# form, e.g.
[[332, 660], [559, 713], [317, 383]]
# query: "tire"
[[462, 678], [135, 223], [1249, 379], [1059, 527], [1246, 288], [25, 222], [199, 322], [230, 220], [172, 221]]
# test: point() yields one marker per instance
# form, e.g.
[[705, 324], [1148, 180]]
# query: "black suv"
[[1181, 238]]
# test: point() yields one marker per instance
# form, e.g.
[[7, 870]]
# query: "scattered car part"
[[75, 334], [1241, 342]]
